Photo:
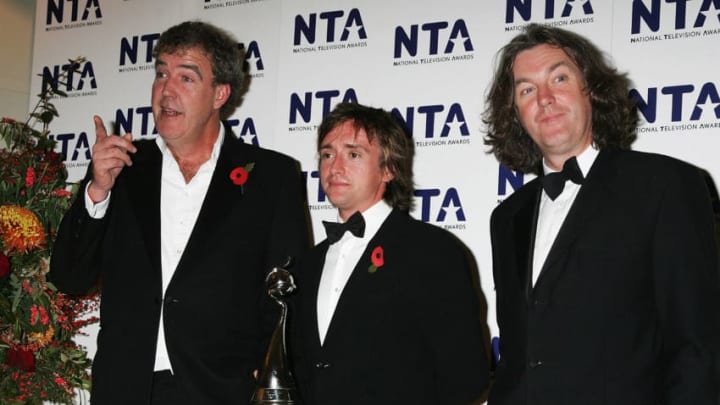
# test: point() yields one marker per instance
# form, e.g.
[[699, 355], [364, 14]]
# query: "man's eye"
[[525, 91]]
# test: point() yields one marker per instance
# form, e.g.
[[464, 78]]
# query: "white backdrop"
[[429, 62]]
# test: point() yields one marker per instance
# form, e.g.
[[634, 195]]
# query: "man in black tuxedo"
[[386, 312], [181, 231], [607, 293]]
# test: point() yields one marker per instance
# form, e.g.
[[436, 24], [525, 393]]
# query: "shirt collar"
[[585, 160], [162, 145], [374, 218]]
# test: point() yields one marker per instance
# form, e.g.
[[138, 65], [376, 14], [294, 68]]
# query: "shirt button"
[[535, 363]]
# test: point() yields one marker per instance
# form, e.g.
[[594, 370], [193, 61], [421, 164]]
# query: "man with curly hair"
[[181, 231], [605, 265]]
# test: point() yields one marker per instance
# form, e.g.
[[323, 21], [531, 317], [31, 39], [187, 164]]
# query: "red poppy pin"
[[378, 259], [239, 175]]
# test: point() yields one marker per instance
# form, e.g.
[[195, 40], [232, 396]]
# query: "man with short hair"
[[386, 312], [180, 232]]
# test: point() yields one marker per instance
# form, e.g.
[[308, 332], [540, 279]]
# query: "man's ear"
[[387, 175], [222, 93]]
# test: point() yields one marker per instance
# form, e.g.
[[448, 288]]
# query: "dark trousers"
[[164, 389]]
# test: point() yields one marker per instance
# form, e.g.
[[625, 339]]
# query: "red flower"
[[21, 358], [378, 259], [4, 265], [61, 193], [29, 177], [240, 174]]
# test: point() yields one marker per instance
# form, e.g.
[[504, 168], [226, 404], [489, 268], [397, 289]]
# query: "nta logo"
[[314, 174], [450, 200], [303, 105], [432, 35], [524, 8], [59, 10], [450, 119], [507, 176], [72, 146], [131, 48], [253, 57], [333, 22], [245, 130], [651, 16], [703, 100], [77, 77]]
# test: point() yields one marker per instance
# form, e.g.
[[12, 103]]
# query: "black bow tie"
[[355, 224], [554, 183]]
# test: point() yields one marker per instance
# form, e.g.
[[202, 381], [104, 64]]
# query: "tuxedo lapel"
[[313, 268], [362, 283], [591, 199], [524, 227], [144, 197], [222, 197]]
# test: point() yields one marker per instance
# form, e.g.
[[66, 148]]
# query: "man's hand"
[[110, 154]]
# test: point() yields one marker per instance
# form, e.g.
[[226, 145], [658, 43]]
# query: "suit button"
[[171, 300], [322, 365], [535, 363]]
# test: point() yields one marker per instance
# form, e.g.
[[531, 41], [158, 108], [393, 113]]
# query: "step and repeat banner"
[[430, 63]]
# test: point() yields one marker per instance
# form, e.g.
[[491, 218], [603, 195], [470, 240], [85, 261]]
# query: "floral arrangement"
[[39, 361]]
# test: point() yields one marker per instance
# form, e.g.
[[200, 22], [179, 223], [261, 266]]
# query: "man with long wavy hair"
[[605, 265]]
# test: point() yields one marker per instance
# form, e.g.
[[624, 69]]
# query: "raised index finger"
[[99, 127]]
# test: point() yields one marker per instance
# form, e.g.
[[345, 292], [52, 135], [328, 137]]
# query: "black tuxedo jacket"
[[217, 316], [625, 309], [407, 334]]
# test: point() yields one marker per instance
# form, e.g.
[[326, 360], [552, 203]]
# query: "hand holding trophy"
[[275, 384]]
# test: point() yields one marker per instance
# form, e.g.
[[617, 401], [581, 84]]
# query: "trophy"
[[276, 385]]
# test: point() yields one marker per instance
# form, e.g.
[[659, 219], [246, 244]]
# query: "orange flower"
[[20, 229], [40, 339]]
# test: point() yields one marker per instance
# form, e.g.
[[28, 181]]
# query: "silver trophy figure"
[[276, 385]]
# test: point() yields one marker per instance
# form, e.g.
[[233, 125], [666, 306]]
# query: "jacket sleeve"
[[687, 290], [451, 323], [75, 260], [289, 236], [290, 231]]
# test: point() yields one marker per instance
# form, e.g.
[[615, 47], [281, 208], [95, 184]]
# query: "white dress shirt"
[[340, 260], [553, 212], [180, 205]]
